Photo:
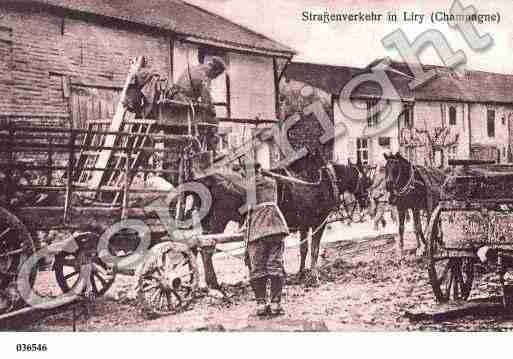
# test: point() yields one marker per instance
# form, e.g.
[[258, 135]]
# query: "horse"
[[300, 205], [305, 205], [412, 187]]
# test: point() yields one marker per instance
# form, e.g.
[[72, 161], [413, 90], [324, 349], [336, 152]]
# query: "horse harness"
[[335, 182], [410, 184]]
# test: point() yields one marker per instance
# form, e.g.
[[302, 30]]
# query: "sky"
[[358, 44]]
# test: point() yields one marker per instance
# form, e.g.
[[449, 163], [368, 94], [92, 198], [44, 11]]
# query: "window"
[[407, 120], [503, 119], [374, 109], [220, 87], [452, 116], [490, 123], [407, 115], [384, 142], [362, 150]]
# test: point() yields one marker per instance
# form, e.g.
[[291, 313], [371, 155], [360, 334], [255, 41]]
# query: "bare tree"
[[439, 140]]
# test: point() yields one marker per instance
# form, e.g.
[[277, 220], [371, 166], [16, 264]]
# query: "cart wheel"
[[67, 269], [451, 277], [168, 280], [16, 245]]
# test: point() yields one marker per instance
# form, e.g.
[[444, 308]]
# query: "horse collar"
[[409, 186]]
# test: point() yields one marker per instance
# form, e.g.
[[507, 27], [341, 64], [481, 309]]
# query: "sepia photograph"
[[220, 166]]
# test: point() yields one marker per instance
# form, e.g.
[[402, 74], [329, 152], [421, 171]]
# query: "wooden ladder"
[[134, 137], [105, 169], [97, 178]]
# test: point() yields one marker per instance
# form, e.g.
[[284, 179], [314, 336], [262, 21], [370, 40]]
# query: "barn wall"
[[252, 86], [46, 47], [6, 64]]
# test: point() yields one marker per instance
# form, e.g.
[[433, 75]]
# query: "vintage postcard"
[[263, 166]]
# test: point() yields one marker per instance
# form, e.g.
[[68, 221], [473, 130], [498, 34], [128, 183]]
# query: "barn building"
[[64, 62], [463, 115]]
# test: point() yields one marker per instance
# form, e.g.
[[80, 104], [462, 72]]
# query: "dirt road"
[[363, 287]]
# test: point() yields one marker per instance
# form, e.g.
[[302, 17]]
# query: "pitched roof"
[[468, 86], [328, 78], [176, 16], [447, 85]]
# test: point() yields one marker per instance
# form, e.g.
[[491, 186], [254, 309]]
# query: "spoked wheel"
[[451, 277], [168, 280], [68, 269], [16, 246]]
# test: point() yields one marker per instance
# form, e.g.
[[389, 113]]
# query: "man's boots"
[[259, 286], [276, 290]]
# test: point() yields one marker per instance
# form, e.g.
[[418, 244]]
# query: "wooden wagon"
[[474, 216], [90, 184], [60, 200]]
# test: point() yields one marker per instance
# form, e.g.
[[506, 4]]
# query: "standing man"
[[195, 82], [266, 232], [194, 85]]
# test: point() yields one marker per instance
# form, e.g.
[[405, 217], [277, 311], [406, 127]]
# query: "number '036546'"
[[31, 347]]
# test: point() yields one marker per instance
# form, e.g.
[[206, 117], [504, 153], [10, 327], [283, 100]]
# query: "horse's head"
[[394, 167], [355, 179]]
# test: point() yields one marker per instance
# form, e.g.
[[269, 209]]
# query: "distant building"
[[467, 115]]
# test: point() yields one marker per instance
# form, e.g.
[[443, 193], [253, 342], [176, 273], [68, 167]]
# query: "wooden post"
[[10, 162], [49, 163], [207, 253], [180, 204], [124, 209], [74, 319], [210, 273], [69, 182]]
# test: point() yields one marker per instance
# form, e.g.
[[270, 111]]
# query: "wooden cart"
[[60, 201], [88, 183], [475, 212]]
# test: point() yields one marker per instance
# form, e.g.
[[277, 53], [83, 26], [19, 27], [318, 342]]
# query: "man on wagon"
[[195, 82], [193, 85], [266, 232]]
